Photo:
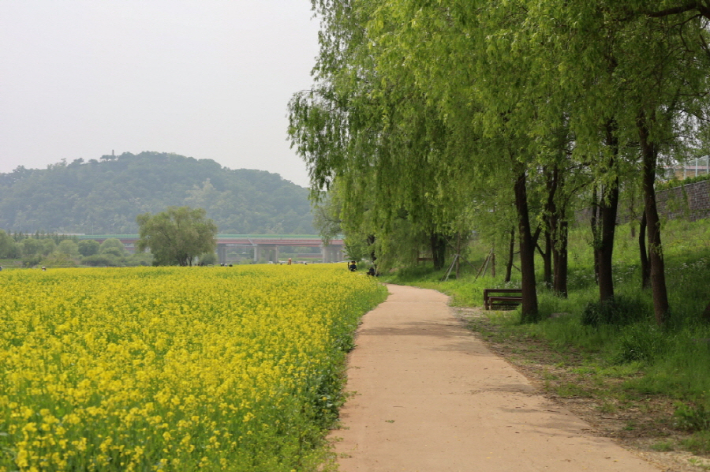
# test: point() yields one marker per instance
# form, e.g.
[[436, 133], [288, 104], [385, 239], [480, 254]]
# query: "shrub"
[[615, 311], [640, 342], [692, 418], [102, 260], [88, 247]]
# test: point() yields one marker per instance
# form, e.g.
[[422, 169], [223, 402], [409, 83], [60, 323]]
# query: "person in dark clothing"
[[352, 266]]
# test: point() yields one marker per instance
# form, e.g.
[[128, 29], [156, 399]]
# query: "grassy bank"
[[663, 374]]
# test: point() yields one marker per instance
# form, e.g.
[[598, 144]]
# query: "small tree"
[[48, 246], [8, 247], [112, 246], [68, 247], [88, 247], [31, 247], [177, 236]]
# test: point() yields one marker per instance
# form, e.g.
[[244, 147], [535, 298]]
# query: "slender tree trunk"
[[605, 246], [370, 242], [550, 217], [438, 250], [595, 233], [645, 268], [458, 254], [527, 251], [559, 284], [558, 230], [632, 211], [493, 261], [547, 259], [706, 314], [655, 248], [608, 207], [511, 254]]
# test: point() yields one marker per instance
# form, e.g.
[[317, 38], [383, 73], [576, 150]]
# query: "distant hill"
[[105, 195]]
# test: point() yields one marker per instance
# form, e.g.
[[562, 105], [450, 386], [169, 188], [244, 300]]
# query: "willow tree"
[[421, 102], [635, 69], [471, 67], [415, 102], [375, 133], [177, 235]]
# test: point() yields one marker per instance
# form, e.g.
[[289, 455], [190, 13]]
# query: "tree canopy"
[[439, 112], [177, 236]]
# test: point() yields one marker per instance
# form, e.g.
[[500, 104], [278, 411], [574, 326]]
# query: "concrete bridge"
[[263, 245]]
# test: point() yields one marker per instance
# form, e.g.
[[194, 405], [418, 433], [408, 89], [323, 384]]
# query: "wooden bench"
[[502, 298]]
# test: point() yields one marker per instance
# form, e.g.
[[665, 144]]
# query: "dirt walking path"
[[430, 397]]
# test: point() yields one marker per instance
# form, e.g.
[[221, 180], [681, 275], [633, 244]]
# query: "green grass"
[[673, 361]]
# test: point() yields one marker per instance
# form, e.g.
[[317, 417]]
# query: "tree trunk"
[[511, 254], [527, 252], [550, 218], [371, 242], [604, 248], [438, 250], [595, 233], [645, 268], [608, 207], [547, 259], [558, 231], [493, 263], [655, 248], [706, 314], [458, 254], [559, 255]]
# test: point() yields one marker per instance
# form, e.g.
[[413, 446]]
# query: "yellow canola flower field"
[[140, 369]]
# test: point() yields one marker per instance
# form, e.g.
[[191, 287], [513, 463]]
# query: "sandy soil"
[[429, 396]]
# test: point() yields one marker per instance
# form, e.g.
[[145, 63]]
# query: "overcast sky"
[[209, 79]]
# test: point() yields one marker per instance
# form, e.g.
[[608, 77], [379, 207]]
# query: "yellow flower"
[[149, 368]]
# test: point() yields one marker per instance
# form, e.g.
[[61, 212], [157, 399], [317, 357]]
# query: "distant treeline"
[[56, 237], [105, 195], [60, 250]]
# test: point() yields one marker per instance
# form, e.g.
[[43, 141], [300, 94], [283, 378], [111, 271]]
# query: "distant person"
[[352, 266], [289, 261], [44, 268], [372, 271]]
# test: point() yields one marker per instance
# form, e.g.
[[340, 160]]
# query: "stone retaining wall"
[[691, 201], [674, 204]]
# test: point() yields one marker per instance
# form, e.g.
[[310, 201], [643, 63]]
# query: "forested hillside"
[[105, 195]]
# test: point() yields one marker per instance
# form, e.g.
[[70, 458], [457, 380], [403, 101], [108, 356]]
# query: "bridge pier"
[[222, 253], [272, 254], [331, 254]]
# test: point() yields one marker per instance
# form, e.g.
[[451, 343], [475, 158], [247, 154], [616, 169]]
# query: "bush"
[[641, 342], [698, 443], [692, 418], [88, 247], [139, 259], [618, 311], [112, 246], [208, 259], [58, 259], [68, 247], [102, 260], [32, 260]]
